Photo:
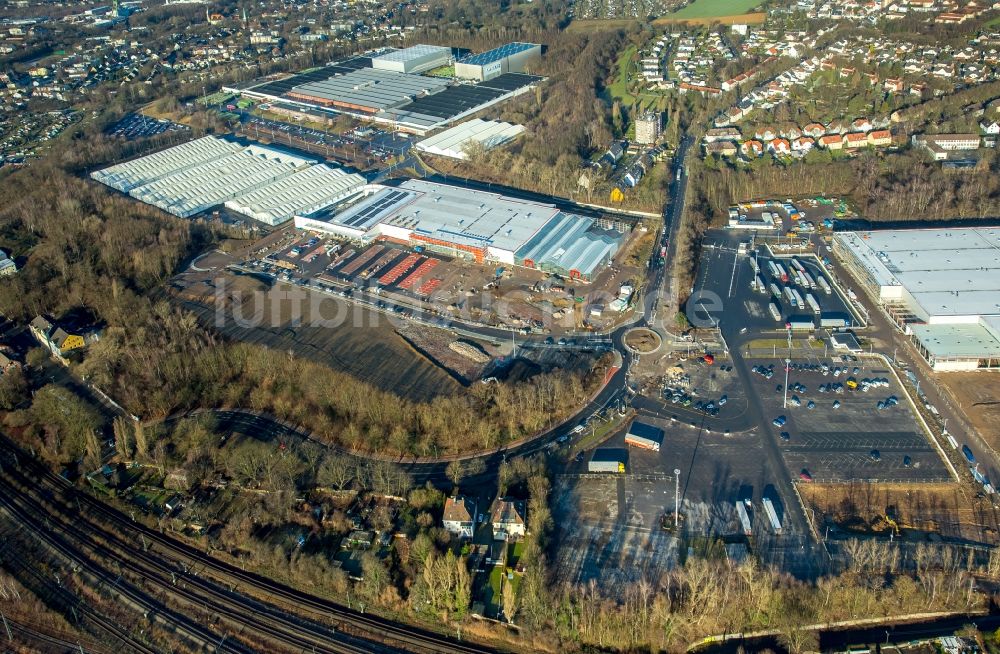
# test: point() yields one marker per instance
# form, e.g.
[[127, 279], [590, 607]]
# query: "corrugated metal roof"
[[496, 54], [453, 142]]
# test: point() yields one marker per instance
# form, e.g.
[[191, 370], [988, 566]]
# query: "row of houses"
[[507, 519], [62, 338], [782, 147]]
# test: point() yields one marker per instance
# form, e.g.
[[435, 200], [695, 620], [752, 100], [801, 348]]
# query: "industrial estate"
[[438, 327]]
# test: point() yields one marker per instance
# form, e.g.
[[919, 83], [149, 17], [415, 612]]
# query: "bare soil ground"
[[948, 509], [977, 396], [366, 345]]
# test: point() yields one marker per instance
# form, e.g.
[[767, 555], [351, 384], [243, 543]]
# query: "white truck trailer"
[[772, 515], [745, 513], [811, 301]]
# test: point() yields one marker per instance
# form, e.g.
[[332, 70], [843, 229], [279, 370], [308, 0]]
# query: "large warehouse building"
[[509, 58], [415, 59], [264, 183], [457, 141], [367, 90], [472, 224], [384, 87], [942, 286]]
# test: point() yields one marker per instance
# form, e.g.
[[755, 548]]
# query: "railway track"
[[247, 617], [350, 625]]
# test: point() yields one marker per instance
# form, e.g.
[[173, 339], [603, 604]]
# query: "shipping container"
[[644, 436], [811, 301], [775, 311], [746, 517], [772, 515], [823, 284]]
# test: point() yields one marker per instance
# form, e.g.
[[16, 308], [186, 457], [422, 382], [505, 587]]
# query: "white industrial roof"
[[193, 190], [264, 183], [452, 214], [455, 141], [304, 191], [957, 341], [126, 176], [947, 272], [371, 88], [413, 52]]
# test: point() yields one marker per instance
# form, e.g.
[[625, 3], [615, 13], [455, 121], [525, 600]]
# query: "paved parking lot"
[[137, 126], [836, 444]]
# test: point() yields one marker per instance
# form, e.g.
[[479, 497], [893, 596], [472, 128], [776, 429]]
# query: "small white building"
[[459, 516], [508, 520]]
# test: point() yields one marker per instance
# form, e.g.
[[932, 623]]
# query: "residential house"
[[721, 148], [790, 132], [752, 148], [893, 85], [861, 125], [634, 175], [7, 361], [779, 147], [459, 516], [803, 144], [831, 142], [615, 152], [60, 341], [880, 138], [508, 520], [814, 130], [765, 134], [855, 140], [991, 127], [836, 127], [722, 134], [7, 265]]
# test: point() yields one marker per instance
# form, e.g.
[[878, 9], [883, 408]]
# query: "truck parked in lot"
[[799, 324], [811, 301], [798, 298], [775, 291], [608, 459], [773, 269], [775, 311], [798, 265], [745, 512], [782, 272], [834, 320], [808, 280], [790, 296], [772, 515], [761, 286], [823, 284]]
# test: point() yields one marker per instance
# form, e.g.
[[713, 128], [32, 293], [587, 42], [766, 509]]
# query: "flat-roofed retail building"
[[473, 224], [942, 286], [414, 59]]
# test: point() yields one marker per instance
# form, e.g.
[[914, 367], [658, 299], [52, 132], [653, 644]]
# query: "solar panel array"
[[453, 101], [510, 82], [374, 208], [280, 87], [497, 54]]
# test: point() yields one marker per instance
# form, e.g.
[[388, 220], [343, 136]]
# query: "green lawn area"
[[492, 594], [619, 87], [713, 8], [994, 23]]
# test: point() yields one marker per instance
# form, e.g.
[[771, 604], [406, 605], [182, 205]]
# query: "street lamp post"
[[677, 496], [784, 403]]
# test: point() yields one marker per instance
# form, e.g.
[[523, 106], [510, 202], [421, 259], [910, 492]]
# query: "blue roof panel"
[[496, 54]]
